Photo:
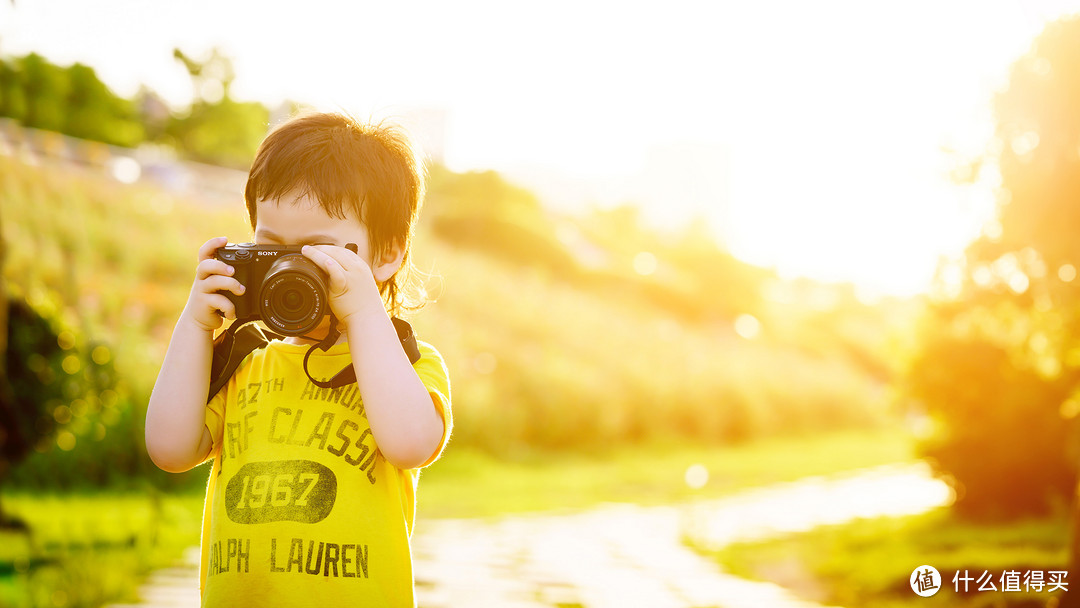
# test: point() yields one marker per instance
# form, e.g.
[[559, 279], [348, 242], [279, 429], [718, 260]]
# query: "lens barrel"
[[293, 296]]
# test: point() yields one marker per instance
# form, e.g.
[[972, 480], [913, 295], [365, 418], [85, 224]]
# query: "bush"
[[999, 437]]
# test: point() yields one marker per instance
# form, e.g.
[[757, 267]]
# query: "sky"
[[809, 136]]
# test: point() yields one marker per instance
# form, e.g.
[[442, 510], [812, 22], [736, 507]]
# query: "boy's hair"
[[369, 170]]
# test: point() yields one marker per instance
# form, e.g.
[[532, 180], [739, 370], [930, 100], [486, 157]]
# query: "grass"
[[867, 563], [86, 550], [468, 483]]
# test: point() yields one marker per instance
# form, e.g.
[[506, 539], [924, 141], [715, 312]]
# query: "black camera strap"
[[231, 347], [347, 375], [243, 337]]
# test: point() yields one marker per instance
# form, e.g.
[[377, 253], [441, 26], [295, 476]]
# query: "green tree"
[[71, 100], [217, 129], [999, 361], [12, 98], [92, 111], [44, 88], [12, 445]]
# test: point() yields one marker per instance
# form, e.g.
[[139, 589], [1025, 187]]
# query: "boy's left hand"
[[352, 289]]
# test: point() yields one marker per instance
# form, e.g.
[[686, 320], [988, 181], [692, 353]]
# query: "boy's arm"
[[176, 435], [402, 415], [399, 408]]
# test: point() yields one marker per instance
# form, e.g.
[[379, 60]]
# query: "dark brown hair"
[[369, 171]]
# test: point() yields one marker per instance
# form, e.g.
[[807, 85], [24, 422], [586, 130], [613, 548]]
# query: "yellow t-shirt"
[[301, 507]]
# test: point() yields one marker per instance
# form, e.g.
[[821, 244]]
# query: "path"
[[623, 555]]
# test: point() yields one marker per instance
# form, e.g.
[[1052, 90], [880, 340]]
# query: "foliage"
[[55, 383], [536, 362], [1003, 444], [697, 281], [93, 257], [216, 128], [87, 551], [998, 368], [482, 211], [70, 100], [868, 562], [223, 133], [693, 276]]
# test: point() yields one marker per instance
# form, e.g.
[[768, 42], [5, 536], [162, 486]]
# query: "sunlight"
[[645, 263], [747, 326], [696, 476], [816, 139], [890, 490]]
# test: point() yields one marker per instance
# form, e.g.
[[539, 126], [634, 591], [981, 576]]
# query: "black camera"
[[281, 286]]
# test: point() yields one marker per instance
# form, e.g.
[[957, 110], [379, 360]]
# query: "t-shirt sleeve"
[[215, 416], [215, 408], [433, 373]]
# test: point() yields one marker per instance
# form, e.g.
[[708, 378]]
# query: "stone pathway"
[[175, 587], [624, 556], [618, 555]]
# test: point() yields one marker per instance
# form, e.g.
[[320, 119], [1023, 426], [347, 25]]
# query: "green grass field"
[[85, 550], [468, 483], [866, 564]]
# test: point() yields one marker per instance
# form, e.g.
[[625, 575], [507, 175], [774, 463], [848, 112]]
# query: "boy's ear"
[[389, 263]]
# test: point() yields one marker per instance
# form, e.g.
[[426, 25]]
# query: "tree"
[[999, 364], [11, 444], [217, 129], [44, 87], [71, 100], [92, 111]]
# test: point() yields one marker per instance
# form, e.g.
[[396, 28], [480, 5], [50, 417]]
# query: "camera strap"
[[232, 346], [243, 337]]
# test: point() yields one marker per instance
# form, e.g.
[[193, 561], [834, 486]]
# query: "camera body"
[[284, 289]]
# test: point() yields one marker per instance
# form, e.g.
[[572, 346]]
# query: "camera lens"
[[292, 301], [293, 296]]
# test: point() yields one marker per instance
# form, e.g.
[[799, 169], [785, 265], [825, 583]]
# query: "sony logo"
[[268, 253]]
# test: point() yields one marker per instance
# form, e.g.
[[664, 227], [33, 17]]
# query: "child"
[[311, 497]]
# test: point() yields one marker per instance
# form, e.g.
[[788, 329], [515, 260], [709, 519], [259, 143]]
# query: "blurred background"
[[678, 255]]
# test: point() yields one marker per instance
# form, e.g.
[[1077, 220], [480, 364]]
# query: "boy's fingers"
[[209, 247], [217, 282], [222, 304], [343, 257], [323, 258], [211, 266]]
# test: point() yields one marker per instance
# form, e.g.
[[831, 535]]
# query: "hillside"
[[548, 347]]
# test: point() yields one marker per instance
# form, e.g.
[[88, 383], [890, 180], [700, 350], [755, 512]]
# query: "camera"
[[281, 286]]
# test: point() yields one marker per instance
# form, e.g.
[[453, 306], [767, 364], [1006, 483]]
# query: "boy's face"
[[302, 221]]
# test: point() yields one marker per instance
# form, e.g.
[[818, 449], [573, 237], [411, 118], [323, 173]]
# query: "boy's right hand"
[[207, 307]]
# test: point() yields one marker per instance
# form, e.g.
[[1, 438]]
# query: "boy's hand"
[[206, 306], [352, 289]]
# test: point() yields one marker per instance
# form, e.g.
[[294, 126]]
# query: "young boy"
[[311, 497]]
